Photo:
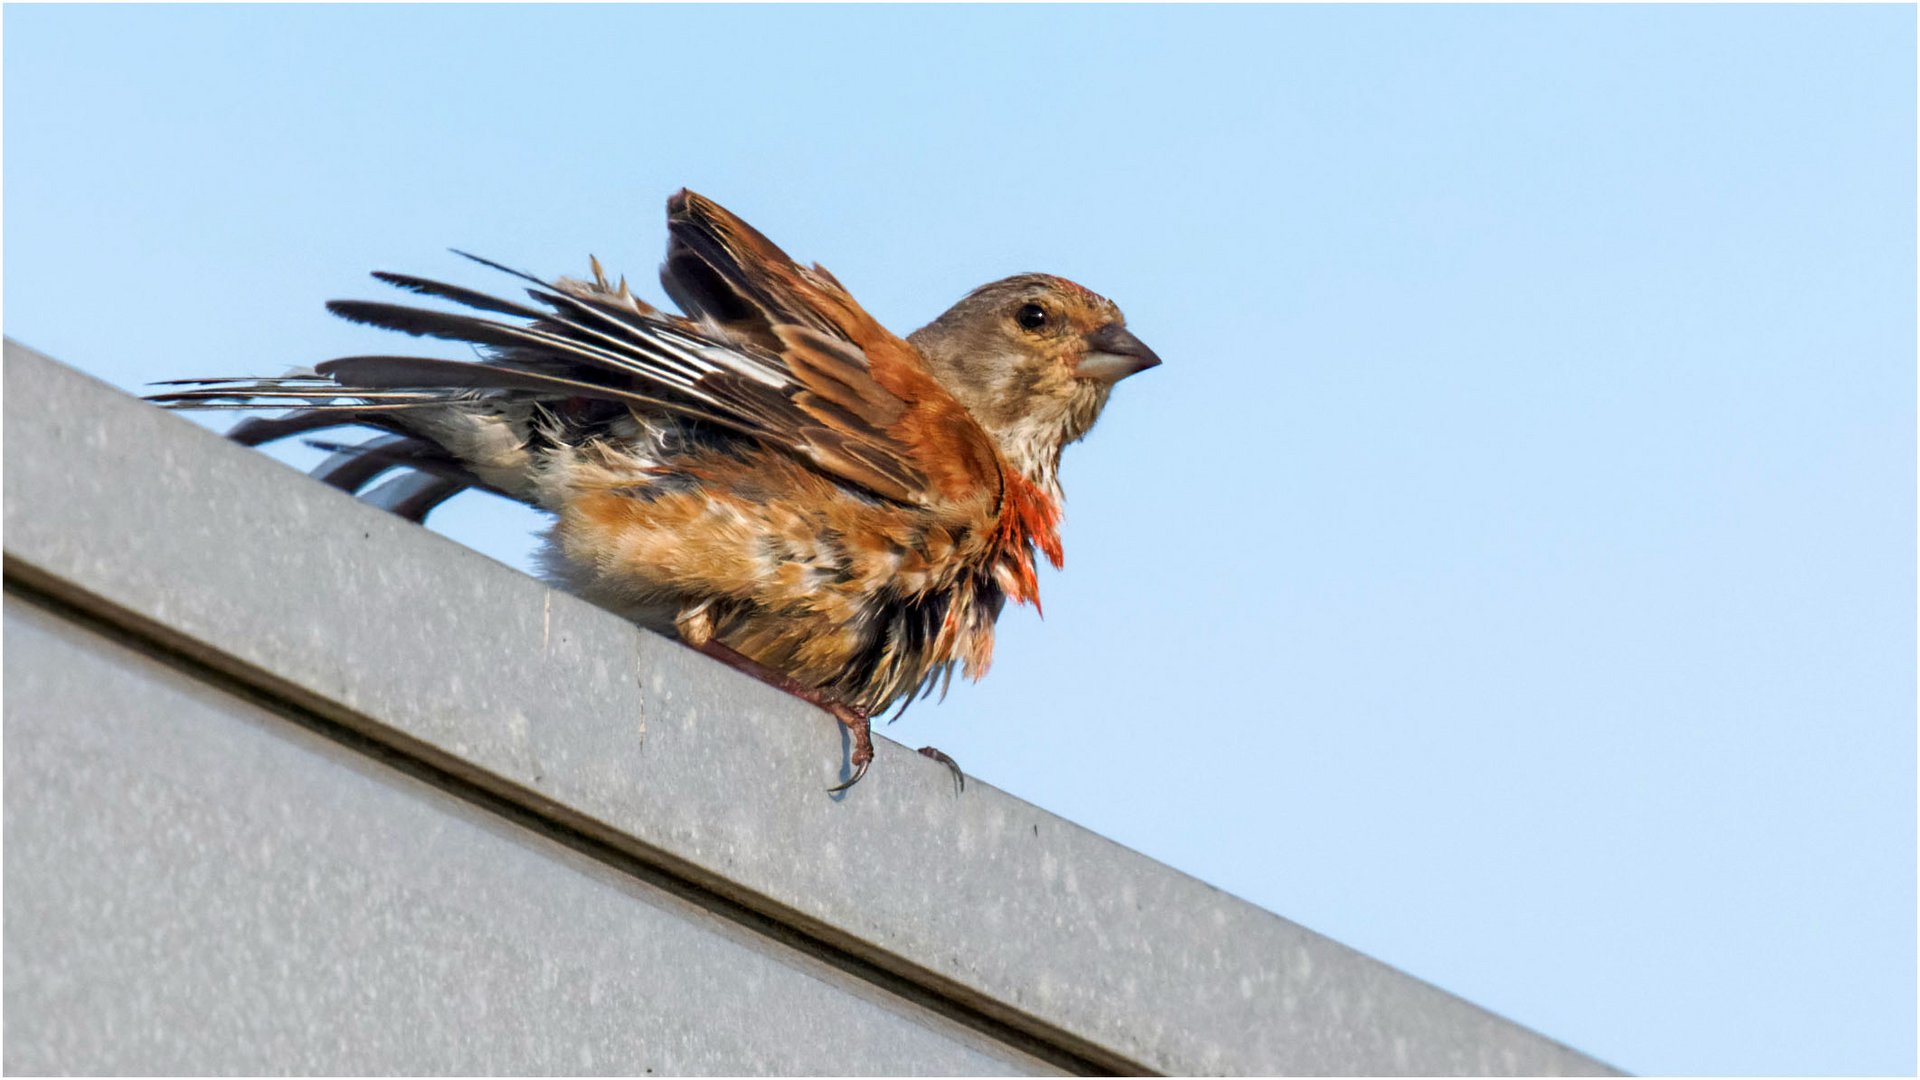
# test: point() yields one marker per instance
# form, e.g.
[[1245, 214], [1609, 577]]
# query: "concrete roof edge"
[[578, 716]]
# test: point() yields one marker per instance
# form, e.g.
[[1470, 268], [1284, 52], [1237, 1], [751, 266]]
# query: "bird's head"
[[1033, 358]]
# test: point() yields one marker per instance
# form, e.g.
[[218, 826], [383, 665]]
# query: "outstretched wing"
[[723, 270], [776, 353]]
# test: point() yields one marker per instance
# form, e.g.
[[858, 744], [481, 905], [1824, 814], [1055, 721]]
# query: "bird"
[[770, 475]]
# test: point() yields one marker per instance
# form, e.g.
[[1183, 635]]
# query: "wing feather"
[[721, 267], [772, 351]]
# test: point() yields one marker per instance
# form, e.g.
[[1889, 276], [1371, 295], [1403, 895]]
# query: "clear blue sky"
[[1511, 570]]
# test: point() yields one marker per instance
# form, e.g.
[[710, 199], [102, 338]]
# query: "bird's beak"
[[1113, 353]]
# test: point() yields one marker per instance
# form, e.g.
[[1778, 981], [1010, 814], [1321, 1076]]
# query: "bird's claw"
[[859, 770], [959, 778], [862, 755]]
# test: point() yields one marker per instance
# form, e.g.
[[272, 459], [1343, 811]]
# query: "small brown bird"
[[774, 476]]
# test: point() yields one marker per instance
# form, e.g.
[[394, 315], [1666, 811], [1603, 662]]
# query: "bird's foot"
[[862, 755], [959, 778], [854, 720]]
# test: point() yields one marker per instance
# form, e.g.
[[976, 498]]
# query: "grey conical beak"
[[1113, 353]]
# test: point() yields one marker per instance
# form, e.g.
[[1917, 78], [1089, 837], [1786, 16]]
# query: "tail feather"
[[351, 467], [414, 495], [257, 430]]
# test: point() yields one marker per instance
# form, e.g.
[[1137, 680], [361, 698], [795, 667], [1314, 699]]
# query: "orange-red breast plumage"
[[773, 475]]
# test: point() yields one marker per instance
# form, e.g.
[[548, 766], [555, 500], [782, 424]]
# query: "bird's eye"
[[1031, 316]]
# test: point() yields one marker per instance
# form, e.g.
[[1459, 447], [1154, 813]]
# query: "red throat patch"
[[1029, 518]]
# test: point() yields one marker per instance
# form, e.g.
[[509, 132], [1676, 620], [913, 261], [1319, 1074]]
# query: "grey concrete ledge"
[[225, 556]]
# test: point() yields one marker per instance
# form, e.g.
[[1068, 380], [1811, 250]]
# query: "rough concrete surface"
[[196, 885]]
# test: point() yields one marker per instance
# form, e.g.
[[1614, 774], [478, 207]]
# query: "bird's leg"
[[854, 721]]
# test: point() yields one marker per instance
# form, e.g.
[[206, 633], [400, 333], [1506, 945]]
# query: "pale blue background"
[[1511, 571]]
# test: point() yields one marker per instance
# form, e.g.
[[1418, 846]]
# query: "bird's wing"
[[818, 377], [721, 269]]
